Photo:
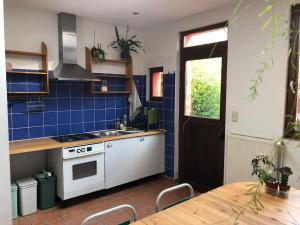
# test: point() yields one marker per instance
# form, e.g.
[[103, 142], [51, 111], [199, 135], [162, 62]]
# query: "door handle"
[[221, 133], [109, 145]]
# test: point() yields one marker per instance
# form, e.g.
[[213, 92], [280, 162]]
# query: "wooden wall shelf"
[[24, 53], [26, 73], [112, 76], [111, 92], [128, 74], [117, 61], [44, 55], [28, 93]]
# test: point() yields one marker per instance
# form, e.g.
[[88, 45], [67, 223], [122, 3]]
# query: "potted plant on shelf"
[[284, 188], [126, 45], [264, 168], [98, 54]]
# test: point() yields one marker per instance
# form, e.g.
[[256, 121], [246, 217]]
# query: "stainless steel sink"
[[116, 132], [112, 133]]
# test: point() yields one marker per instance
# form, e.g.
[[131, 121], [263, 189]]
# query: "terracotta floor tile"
[[144, 211], [95, 203], [142, 196], [22, 221], [44, 217], [122, 201], [114, 219], [70, 210], [60, 222], [77, 219], [98, 208]]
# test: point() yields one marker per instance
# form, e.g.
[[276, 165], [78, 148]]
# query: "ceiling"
[[152, 12]]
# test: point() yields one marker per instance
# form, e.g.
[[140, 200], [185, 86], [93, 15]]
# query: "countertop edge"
[[44, 144]]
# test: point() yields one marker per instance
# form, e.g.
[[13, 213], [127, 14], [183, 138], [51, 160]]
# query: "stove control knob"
[[78, 150], [82, 150]]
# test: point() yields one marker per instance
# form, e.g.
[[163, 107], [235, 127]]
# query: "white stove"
[[79, 169]]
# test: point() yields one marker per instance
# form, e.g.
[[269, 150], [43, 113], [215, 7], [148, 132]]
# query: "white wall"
[[162, 44], [26, 165], [5, 202], [262, 118], [25, 29]]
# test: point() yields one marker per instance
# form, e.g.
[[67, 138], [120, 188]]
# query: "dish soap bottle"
[[124, 122]]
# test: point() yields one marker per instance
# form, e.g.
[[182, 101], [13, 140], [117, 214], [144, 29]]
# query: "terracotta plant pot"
[[271, 188], [284, 191]]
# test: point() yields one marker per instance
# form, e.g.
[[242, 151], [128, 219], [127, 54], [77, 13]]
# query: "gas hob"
[[75, 137]]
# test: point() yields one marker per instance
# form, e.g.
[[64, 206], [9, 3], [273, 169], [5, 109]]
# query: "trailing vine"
[[270, 18]]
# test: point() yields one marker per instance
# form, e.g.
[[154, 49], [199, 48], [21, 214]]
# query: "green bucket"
[[14, 200], [46, 192]]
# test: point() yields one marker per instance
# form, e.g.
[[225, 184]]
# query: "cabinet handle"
[[108, 145], [142, 139]]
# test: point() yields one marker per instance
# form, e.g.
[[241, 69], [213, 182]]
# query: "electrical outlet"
[[234, 116]]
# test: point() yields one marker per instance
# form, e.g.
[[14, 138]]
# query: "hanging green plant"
[[126, 45], [98, 54]]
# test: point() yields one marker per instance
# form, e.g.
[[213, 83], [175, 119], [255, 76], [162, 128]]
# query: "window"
[[207, 37], [200, 49], [156, 84], [292, 120]]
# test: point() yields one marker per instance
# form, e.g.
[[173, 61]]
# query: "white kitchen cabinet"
[[130, 159]]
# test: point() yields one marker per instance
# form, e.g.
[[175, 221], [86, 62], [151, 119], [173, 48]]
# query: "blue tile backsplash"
[[69, 109], [166, 117]]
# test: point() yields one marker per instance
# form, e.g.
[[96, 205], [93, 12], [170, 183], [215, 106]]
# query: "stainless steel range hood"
[[68, 69]]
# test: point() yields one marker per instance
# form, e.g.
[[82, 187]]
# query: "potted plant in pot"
[[271, 185], [98, 54], [284, 188], [264, 168], [126, 45]]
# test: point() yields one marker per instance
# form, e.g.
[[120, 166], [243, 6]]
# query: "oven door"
[[83, 175]]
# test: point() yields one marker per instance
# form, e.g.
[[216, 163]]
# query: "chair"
[[108, 211], [171, 189]]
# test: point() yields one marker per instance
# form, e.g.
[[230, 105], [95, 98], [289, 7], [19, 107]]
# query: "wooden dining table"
[[219, 206]]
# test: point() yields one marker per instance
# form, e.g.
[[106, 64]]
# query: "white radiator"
[[239, 152]]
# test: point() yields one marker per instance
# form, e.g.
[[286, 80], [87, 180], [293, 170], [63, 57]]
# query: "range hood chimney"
[[68, 69]]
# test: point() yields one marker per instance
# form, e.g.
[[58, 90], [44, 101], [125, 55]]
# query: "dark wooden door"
[[202, 114]]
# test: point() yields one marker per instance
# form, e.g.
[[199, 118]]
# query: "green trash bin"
[[14, 200], [46, 191]]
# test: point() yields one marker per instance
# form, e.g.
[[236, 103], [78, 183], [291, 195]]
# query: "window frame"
[[293, 72], [202, 30], [151, 72]]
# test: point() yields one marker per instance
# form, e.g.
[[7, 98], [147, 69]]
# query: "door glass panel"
[[84, 170], [203, 88]]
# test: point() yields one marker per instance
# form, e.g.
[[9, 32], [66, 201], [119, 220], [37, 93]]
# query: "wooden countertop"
[[42, 144], [216, 207]]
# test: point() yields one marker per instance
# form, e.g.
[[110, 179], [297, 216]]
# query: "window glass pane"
[[157, 81], [203, 88], [204, 38]]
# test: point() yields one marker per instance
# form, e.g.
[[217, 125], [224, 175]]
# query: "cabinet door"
[[151, 153], [121, 165], [130, 159]]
